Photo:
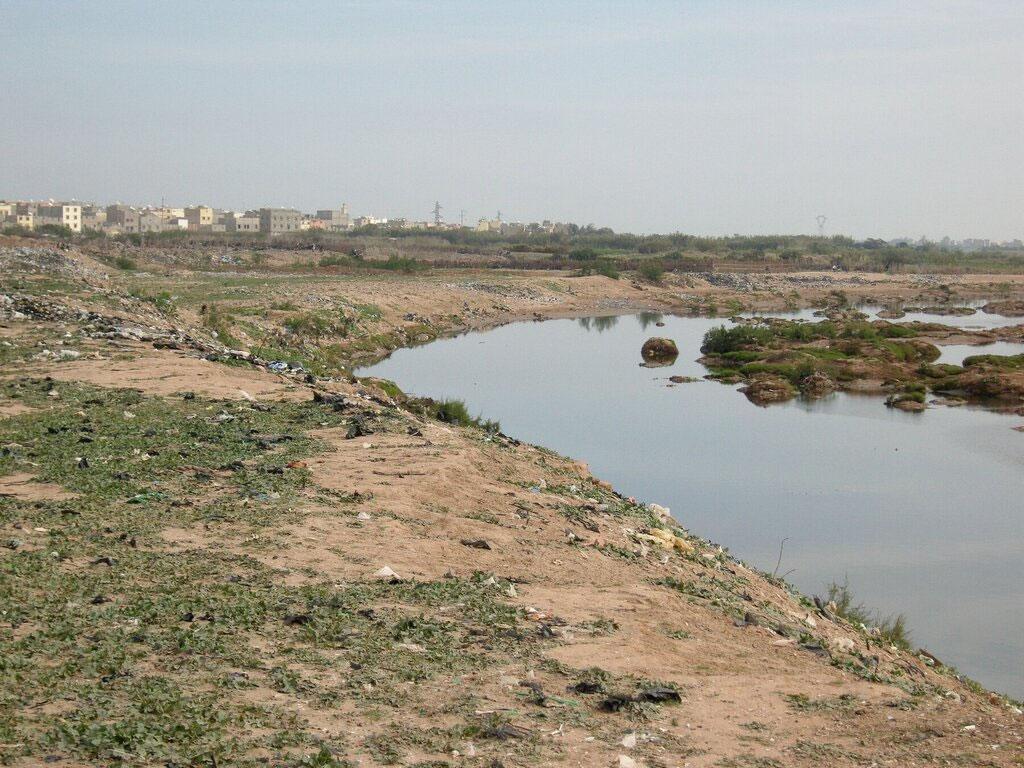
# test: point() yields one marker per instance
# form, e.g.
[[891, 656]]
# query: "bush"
[[583, 254], [334, 260], [399, 264], [605, 267], [125, 263], [455, 412], [55, 229], [892, 629], [824, 329], [721, 339], [652, 269]]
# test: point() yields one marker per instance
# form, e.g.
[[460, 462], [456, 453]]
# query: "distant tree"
[[893, 259]]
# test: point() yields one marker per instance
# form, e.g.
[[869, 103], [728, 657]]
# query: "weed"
[[455, 412], [892, 629]]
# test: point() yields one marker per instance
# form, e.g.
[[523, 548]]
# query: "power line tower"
[[462, 218], [821, 219], [437, 214]]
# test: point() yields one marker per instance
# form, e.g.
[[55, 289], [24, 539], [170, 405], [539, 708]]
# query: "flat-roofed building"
[[93, 217], [276, 221], [61, 214], [200, 218], [334, 219]]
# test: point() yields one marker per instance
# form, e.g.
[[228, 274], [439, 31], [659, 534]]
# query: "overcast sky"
[[891, 118]]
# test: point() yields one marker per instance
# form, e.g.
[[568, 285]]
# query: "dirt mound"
[[1012, 308]]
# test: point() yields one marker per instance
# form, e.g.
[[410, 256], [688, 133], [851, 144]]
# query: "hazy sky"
[[713, 117]]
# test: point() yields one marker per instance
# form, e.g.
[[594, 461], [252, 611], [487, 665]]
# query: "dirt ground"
[[764, 678]]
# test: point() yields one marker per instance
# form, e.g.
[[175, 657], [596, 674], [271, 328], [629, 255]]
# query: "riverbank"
[[210, 561]]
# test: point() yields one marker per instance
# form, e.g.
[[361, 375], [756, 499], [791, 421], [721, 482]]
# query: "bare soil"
[[764, 677]]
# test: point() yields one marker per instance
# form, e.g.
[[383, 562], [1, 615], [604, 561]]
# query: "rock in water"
[[818, 384], [768, 389], [659, 349]]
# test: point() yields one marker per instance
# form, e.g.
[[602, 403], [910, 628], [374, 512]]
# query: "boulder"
[[659, 349], [818, 384], [905, 403], [768, 389]]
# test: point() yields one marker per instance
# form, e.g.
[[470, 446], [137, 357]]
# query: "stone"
[[387, 573], [658, 348], [765, 390], [818, 384]]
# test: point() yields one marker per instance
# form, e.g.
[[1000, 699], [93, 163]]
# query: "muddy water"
[[921, 513]]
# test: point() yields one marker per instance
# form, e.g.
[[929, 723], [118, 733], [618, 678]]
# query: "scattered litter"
[[475, 543], [387, 573], [363, 516]]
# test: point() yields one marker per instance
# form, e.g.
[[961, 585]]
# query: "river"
[[919, 512]]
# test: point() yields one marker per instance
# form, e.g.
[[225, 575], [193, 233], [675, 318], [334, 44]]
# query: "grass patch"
[[116, 648], [219, 322]]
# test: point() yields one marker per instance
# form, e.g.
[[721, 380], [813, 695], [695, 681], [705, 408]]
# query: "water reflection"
[[647, 319], [601, 323]]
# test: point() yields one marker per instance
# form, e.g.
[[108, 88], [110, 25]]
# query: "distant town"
[[119, 218], [124, 219]]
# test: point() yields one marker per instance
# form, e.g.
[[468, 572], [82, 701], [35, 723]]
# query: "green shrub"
[[55, 229], [399, 264], [892, 629], [583, 254], [825, 329], [604, 267], [455, 412], [651, 269], [125, 263], [721, 339]]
